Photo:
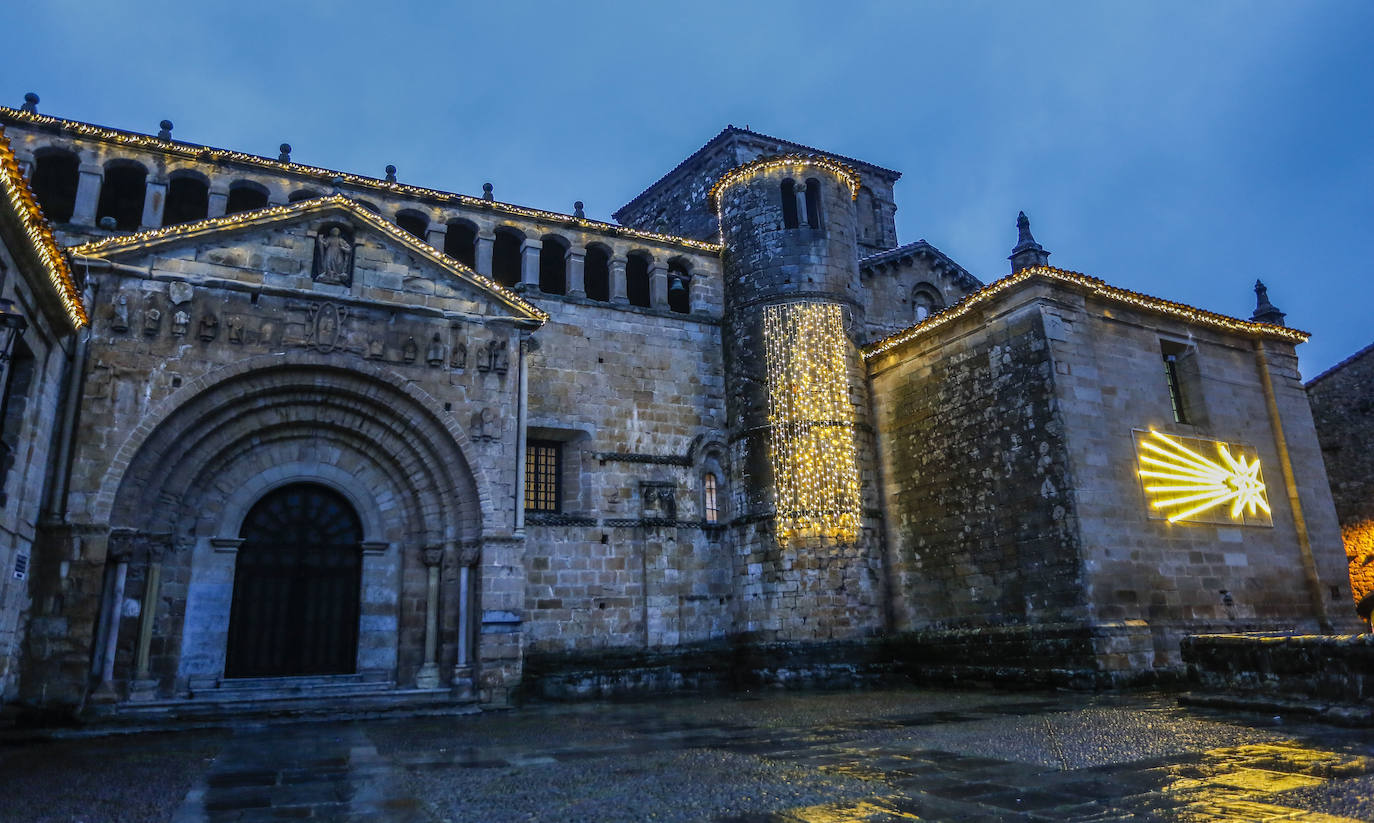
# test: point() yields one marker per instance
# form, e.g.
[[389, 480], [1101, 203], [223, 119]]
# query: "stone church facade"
[[340, 436]]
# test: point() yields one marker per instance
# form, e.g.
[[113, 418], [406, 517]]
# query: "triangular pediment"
[[330, 245]]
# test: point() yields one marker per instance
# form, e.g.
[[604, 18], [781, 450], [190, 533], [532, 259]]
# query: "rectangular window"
[[543, 475], [1173, 353]]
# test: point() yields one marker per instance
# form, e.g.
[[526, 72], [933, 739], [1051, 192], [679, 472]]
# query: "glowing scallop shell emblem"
[[1183, 483]]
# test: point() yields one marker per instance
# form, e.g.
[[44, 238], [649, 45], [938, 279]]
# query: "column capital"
[[432, 556]]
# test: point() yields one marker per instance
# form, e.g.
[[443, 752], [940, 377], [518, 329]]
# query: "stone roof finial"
[[390, 174], [285, 156], [1265, 312], [1027, 253], [165, 130], [577, 209], [486, 191], [30, 103]]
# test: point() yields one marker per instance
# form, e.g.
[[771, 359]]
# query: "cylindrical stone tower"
[[808, 552]]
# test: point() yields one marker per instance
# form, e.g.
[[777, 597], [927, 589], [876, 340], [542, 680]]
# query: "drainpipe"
[[1309, 563], [520, 417]]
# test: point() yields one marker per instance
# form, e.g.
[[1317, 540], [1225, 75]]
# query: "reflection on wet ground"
[[898, 755]]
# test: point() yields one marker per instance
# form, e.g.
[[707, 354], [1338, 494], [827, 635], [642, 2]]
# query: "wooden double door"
[[297, 586]]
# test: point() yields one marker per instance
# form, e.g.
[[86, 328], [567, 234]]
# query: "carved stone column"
[[219, 203], [529, 263], [800, 194], [619, 292], [468, 555], [486, 241], [154, 200], [87, 195], [437, 235], [428, 678], [576, 261], [658, 285], [153, 548], [119, 548]]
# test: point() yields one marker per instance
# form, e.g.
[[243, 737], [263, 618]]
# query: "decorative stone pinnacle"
[[486, 191], [30, 103], [285, 156], [1027, 253], [165, 130], [577, 209], [390, 173], [1265, 312]]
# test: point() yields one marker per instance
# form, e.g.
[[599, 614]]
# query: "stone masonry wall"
[[1343, 409], [981, 517]]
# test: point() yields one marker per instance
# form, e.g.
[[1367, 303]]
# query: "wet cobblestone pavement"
[[902, 755]]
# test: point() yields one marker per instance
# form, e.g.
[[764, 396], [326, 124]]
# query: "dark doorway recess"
[[296, 586]]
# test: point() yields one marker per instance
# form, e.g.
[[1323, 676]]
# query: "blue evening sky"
[[1182, 149]]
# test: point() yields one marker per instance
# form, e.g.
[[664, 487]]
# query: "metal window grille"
[[543, 472], [1175, 390]]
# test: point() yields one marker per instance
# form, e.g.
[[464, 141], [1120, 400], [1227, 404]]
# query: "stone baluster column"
[[87, 195], [619, 294], [658, 285], [219, 202], [154, 200], [486, 242], [428, 678], [800, 192], [119, 549], [576, 265], [468, 555], [529, 263]]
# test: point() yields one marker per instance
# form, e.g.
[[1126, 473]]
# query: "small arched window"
[[505, 255], [596, 273], [56, 175], [789, 204], [679, 287], [122, 194], [303, 194], [553, 265], [460, 242], [413, 222], [637, 278], [925, 301], [813, 202], [245, 196], [710, 501], [188, 200]]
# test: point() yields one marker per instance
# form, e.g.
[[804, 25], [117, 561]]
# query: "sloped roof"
[[1341, 365], [913, 249], [1097, 288], [22, 206], [196, 151], [304, 208]]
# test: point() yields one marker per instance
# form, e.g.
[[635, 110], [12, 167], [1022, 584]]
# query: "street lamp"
[[12, 327]]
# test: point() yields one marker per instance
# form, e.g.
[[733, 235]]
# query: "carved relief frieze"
[[119, 320], [152, 317]]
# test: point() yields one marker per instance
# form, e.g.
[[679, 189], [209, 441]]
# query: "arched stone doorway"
[[297, 585]]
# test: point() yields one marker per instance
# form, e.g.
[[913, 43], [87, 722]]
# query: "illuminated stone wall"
[[1343, 408]]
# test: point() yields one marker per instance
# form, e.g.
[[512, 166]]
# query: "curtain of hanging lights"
[[815, 469]]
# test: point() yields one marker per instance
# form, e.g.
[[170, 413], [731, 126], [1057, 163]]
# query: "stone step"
[[211, 709]]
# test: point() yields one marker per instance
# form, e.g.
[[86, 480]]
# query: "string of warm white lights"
[[815, 465], [1098, 288], [271, 213], [748, 171], [1183, 484], [213, 155], [36, 227]]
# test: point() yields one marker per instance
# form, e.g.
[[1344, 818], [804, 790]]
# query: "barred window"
[[712, 509], [543, 475]]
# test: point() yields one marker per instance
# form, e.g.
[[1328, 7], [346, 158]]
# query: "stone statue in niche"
[[152, 318], [484, 425], [120, 320], [434, 355], [333, 258], [209, 327], [235, 324], [410, 350], [459, 360], [324, 331], [498, 356], [180, 320], [376, 348]]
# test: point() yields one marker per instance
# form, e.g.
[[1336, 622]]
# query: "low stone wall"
[[1325, 675]]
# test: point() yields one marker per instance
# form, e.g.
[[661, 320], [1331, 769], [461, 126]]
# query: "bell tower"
[[808, 546]]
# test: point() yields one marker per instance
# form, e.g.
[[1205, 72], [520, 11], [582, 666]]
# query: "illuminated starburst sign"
[[1184, 484]]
